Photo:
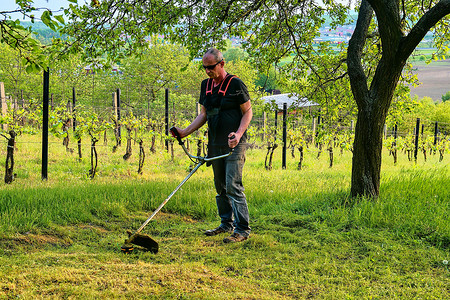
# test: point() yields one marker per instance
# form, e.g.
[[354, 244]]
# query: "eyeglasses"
[[211, 67]]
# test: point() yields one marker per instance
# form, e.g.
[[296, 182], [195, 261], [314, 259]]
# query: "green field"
[[60, 239]]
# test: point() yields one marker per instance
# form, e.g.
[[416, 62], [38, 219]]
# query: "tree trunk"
[[94, 159], [9, 166], [331, 154], [116, 135], [269, 156], [366, 163], [299, 166], [141, 156], [128, 152], [152, 147], [80, 153], [199, 147]]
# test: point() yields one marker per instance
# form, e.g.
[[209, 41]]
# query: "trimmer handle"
[[176, 134], [230, 138]]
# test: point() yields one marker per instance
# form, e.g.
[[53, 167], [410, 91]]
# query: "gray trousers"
[[230, 199]]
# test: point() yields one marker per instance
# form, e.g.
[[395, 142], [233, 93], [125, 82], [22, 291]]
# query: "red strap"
[[209, 86], [227, 81]]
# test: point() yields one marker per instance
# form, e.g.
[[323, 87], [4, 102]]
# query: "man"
[[225, 104]]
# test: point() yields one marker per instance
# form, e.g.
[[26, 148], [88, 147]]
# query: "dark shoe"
[[216, 231], [235, 237]]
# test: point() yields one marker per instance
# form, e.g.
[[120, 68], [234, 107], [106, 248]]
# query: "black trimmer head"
[[139, 239]]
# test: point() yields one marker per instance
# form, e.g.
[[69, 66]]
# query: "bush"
[[446, 96]]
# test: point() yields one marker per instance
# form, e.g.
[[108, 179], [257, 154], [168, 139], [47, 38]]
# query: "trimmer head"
[[142, 240]]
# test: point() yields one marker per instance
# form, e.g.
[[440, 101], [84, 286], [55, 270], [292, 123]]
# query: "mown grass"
[[61, 238]]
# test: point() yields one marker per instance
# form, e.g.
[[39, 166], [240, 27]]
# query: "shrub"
[[446, 96]]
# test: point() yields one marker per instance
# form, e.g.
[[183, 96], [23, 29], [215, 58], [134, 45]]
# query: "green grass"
[[61, 238]]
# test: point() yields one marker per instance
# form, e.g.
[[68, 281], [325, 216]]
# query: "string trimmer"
[[143, 240]]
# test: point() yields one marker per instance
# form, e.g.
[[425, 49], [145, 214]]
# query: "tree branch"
[[354, 53], [425, 23]]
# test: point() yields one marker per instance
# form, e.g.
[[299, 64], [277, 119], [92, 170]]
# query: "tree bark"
[[94, 158], [141, 156], [9, 165]]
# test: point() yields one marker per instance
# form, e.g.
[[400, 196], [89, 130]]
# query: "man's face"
[[212, 67]]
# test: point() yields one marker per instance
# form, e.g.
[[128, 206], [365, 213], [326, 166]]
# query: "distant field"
[[435, 79]]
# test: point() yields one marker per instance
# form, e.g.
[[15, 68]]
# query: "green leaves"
[[20, 38], [60, 19]]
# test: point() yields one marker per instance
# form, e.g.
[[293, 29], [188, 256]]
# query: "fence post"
[[283, 164], [166, 121], [74, 101], [276, 125], [436, 133], [416, 142], [3, 103], [313, 129], [118, 115], [46, 92], [264, 126], [114, 104], [317, 127]]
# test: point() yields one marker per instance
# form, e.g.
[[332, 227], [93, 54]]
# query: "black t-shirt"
[[224, 112]]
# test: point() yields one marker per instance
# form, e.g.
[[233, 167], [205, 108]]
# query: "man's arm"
[[198, 122], [247, 115]]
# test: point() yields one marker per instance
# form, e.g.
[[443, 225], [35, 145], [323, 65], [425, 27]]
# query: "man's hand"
[[180, 132], [233, 139]]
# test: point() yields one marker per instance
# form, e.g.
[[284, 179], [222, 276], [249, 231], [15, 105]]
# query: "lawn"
[[61, 238]]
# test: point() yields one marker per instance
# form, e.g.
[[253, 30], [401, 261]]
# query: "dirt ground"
[[435, 79]]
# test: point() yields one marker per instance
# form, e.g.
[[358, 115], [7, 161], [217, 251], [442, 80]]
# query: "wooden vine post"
[[116, 119], [3, 103], [74, 122]]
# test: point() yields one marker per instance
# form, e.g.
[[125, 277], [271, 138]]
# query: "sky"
[[54, 5]]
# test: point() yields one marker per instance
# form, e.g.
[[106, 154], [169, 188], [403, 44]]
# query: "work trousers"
[[230, 199]]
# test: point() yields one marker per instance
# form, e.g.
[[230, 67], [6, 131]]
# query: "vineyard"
[[85, 131]]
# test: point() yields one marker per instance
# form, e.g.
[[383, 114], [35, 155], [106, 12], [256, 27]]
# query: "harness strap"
[[209, 86], [225, 82]]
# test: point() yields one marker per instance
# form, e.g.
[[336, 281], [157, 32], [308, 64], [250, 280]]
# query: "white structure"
[[289, 99]]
